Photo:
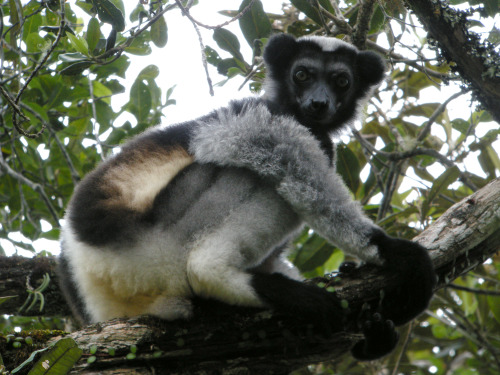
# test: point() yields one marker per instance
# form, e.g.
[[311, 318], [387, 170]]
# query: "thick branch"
[[363, 23], [476, 63], [224, 338]]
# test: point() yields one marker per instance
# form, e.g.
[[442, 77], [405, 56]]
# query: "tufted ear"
[[279, 51], [372, 67]]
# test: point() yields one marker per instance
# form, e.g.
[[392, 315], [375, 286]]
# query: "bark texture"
[[477, 63]]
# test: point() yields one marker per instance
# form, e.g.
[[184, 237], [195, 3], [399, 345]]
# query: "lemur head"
[[322, 81]]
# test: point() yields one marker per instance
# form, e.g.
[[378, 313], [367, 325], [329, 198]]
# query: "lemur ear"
[[372, 67], [279, 51]]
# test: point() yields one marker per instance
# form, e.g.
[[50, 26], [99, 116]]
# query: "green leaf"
[[35, 43], [138, 13], [76, 68], [109, 13], [6, 298], [494, 307], [226, 40], [159, 32], [378, 20], [31, 24], [140, 45], [225, 65], [461, 125], [72, 57], [440, 184], [140, 100], [118, 67], [348, 167], [213, 57], [150, 72], [491, 7], [93, 33], [79, 43], [254, 24], [101, 91], [86, 7], [489, 161], [309, 10], [58, 360], [314, 252]]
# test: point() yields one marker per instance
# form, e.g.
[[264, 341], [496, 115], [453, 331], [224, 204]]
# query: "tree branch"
[[237, 338], [476, 62], [365, 14], [32, 185]]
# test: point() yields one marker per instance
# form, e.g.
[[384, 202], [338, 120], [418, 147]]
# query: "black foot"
[[307, 304], [380, 339]]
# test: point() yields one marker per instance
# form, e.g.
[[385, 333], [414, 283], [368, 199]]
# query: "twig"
[[322, 18], [74, 174], [341, 23], [94, 115], [475, 291], [440, 109], [471, 330], [185, 11], [405, 340], [44, 59], [62, 25], [120, 48], [202, 49], [400, 58], [12, 103], [395, 156], [33, 185]]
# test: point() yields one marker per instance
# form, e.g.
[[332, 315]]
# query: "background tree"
[[416, 158]]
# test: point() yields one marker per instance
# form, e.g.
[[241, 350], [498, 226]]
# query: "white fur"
[[139, 182], [136, 281], [326, 44]]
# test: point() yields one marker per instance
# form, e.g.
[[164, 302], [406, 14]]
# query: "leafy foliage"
[[63, 62]]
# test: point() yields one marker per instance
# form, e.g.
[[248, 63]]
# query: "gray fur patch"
[[280, 149]]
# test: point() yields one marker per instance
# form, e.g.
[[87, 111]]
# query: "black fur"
[[415, 271], [367, 69], [70, 291]]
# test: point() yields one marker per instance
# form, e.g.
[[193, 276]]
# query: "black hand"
[[411, 263], [380, 339]]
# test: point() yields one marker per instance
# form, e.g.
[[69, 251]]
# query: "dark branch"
[[478, 63]]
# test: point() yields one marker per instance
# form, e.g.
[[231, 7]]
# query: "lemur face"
[[323, 82]]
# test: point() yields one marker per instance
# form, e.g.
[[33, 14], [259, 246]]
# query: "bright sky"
[[180, 61]]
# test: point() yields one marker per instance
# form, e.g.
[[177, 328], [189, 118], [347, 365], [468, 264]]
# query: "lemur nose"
[[318, 105]]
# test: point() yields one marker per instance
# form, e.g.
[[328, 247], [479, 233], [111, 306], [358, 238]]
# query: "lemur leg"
[[171, 308], [276, 263], [215, 270]]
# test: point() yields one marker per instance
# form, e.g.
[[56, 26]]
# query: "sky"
[[180, 61]]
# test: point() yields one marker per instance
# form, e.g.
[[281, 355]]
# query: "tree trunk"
[[477, 63], [236, 340]]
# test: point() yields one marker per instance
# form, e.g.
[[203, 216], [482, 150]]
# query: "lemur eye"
[[301, 75], [342, 81]]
